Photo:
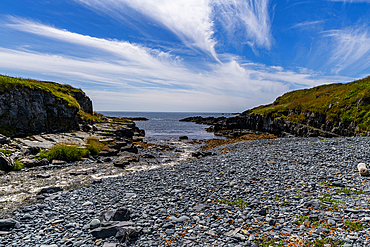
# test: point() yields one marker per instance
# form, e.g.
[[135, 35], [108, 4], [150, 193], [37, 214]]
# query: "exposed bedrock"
[[32, 111], [313, 125]]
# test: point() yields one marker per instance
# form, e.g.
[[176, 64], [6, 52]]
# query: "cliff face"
[[28, 107], [327, 110]]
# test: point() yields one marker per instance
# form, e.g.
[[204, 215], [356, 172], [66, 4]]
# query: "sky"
[[185, 55]]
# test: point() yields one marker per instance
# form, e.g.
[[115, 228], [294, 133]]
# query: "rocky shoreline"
[[127, 151], [277, 192]]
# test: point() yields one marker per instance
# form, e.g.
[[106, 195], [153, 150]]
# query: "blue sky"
[[185, 55]]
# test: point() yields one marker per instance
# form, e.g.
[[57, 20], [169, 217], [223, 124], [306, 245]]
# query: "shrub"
[[94, 146], [18, 165], [66, 152]]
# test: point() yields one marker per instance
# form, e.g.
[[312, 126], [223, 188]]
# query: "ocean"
[[166, 125]]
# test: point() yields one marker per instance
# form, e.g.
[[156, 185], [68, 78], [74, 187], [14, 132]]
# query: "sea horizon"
[[166, 125]]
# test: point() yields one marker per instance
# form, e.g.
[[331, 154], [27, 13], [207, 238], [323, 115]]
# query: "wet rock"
[[183, 138]]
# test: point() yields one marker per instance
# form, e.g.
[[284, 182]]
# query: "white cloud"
[[193, 20], [351, 1], [350, 47], [190, 20], [246, 20], [132, 77], [307, 24]]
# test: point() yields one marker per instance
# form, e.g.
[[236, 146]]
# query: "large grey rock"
[[50, 190], [112, 228], [316, 204], [120, 214], [8, 222], [6, 163]]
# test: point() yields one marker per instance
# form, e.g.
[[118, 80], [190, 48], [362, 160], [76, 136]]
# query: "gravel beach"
[[266, 192]]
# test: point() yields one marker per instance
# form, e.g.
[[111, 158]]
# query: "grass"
[[66, 152], [94, 146], [267, 242], [62, 91], [18, 165], [6, 152], [95, 117], [239, 203], [336, 102], [353, 225], [322, 242]]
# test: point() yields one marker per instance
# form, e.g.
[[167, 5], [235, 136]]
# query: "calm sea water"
[[166, 125]]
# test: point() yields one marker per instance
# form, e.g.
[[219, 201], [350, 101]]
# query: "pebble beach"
[[282, 192]]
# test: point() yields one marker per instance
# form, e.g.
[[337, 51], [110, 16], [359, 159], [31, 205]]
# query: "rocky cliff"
[[30, 106], [327, 110]]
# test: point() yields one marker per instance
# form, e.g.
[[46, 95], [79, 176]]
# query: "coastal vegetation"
[[62, 91], [66, 152], [339, 103]]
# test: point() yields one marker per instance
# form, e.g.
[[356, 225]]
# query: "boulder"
[[50, 190], [130, 157], [6, 164], [121, 162], [130, 149], [118, 229], [362, 169], [316, 204], [7, 223], [29, 162], [120, 214]]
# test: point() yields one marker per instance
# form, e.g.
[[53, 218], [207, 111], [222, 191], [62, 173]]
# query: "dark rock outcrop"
[[6, 164], [34, 111], [243, 124], [31, 107]]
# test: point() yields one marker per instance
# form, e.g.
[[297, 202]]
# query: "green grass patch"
[[239, 202], [6, 152], [62, 91], [95, 117], [66, 152], [267, 242], [322, 242], [338, 102], [94, 146], [353, 225], [18, 165]]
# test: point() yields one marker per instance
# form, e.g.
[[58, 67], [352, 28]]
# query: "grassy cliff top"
[[339, 102], [62, 91]]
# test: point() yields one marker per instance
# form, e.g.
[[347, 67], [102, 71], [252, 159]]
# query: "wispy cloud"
[[351, 1], [132, 77], [193, 20], [248, 21], [350, 47], [307, 24], [190, 20]]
